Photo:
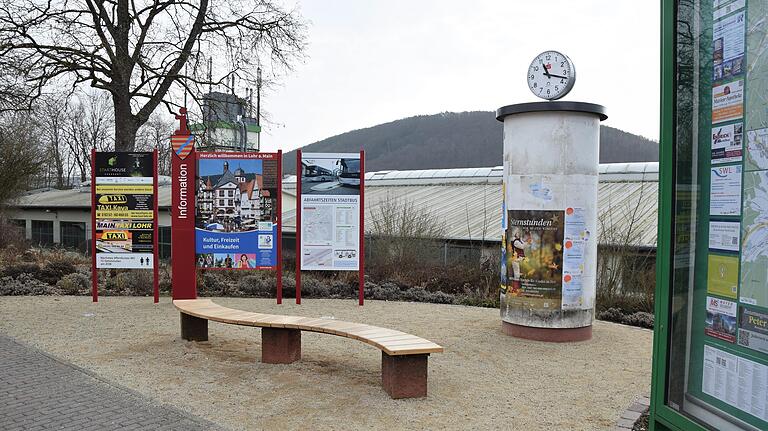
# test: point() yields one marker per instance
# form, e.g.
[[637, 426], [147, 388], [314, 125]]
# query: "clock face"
[[551, 75]]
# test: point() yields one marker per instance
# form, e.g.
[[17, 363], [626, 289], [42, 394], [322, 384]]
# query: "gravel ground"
[[484, 380]]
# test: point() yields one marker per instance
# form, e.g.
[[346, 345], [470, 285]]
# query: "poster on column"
[[124, 205], [236, 210], [575, 243], [534, 241], [330, 211]]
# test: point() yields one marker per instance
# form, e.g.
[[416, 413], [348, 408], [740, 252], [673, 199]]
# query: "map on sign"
[[757, 149], [756, 99], [754, 255]]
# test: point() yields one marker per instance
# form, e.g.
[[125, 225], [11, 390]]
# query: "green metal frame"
[[662, 416]]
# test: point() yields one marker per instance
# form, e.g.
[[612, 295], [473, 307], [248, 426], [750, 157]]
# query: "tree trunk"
[[126, 125]]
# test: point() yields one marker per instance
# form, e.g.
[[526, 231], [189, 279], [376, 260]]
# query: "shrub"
[[14, 270], [212, 284], [256, 285], [130, 283], [617, 315], [24, 284], [74, 284], [639, 318], [53, 271], [384, 292], [11, 235], [314, 288]]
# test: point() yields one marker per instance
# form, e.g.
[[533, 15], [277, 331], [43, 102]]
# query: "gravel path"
[[484, 380]]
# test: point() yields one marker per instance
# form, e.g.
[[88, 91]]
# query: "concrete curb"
[[632, 413]]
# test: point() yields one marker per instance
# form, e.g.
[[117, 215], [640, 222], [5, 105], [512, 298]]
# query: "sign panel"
[[713, 361], [726, 143], [236, 220], [125, 213], [721, 319], [330, 211], [576, 237], [534, 242]]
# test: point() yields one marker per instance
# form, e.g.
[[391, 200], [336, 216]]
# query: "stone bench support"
[[404, 376]]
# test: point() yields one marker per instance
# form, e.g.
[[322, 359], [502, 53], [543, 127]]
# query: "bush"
[[384, 292], [314, 288], [212, 284], [639, 318], [130, 283], [11, 235], [256, 285], [74, 284], [14, 270], [55, 270], [24, 284]]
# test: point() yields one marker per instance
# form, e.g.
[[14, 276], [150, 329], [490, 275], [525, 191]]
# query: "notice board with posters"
[[711, 362], [236, 210], [125, 209], [330, 211]]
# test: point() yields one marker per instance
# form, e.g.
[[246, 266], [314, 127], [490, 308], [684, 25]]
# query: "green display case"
[[710, 367]]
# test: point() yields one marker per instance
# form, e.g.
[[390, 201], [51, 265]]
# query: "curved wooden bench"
[[403, 356]]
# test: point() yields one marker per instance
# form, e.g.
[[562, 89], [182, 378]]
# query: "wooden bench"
[[403, 356]]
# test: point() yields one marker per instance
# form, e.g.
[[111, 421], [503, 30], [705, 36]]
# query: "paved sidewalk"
[[38, 392]]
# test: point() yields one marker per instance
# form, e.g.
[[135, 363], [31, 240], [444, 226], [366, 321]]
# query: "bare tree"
[[19, 156], [88, 126], [51, 121], [404, 234], [625, 264], [155, 133], [141, 51]]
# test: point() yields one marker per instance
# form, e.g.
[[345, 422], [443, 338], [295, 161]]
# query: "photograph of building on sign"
[[330, 174], [235, 219]]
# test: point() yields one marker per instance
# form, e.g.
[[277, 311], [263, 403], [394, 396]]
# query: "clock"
[[551, 75]]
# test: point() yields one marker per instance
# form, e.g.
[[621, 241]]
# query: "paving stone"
[[41, 392], [633, 416]]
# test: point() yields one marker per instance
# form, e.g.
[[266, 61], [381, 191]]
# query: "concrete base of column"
[[404, 376], [193, 328], [280, 346], [552, 335]]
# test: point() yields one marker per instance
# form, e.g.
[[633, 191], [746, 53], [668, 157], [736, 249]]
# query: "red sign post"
[[94, 270], [155, 232], [183, 167], [361, 269], [298, 226]]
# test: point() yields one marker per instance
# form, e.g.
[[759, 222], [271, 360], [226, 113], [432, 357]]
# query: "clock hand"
[[546, 72], [558, 76]]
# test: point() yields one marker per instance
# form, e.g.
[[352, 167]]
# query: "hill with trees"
[[454, 140]]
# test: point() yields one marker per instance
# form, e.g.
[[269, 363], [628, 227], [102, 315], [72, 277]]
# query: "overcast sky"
[[375, 61]]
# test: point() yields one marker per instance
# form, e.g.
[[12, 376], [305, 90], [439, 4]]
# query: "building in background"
[[467, 201], [227, 124]]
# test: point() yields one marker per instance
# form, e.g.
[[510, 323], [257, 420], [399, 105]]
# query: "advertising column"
[[549, 251]]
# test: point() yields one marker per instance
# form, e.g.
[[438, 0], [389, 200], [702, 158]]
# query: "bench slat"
[[391, 341]]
